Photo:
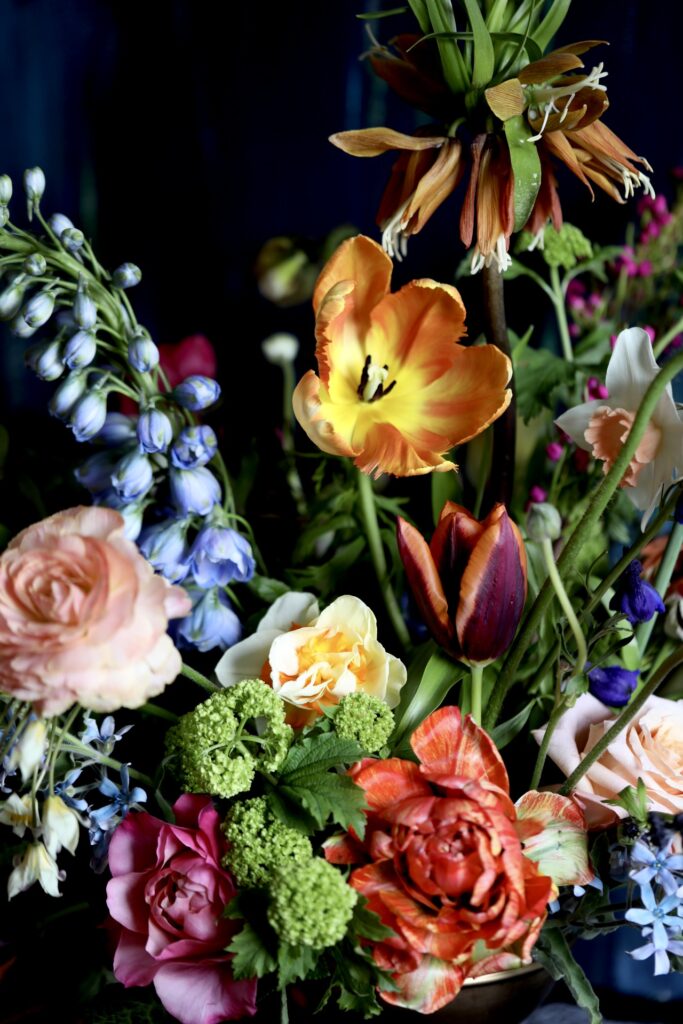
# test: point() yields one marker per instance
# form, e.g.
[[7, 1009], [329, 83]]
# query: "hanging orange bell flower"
[[470, 582], [396, 391]]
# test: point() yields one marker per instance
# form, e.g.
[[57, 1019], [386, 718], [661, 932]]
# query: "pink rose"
[[167, 897], [649, 748], [83, 617]]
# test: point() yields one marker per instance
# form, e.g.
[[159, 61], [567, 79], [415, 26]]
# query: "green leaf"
[[521, 343], [445, 487], [294, 963], [552, 951], [367, 924], [484, 58], [329, 796], [252, 958], [419, 9], [552, 21], [440, 674], [376, 15], [506, 731], [313, 755], [324, 578], [526, 167], [539, 374], [266, 588], [454, 70], [304, 548], [290, 813]]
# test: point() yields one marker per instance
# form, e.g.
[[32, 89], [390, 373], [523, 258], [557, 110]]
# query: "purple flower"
[[634, 597], [613, 684], [220, 555]]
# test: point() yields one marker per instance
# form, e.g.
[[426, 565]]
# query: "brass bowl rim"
[[496, 976]]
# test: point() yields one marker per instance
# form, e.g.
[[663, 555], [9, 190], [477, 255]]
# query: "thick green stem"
[[579, 537], [667, 338], [561, 315], [556, 715], [623, 720], [157, 712], [661, 581], [368, 511], [477, 673], [199, 679], [567, 608], [504, 430]]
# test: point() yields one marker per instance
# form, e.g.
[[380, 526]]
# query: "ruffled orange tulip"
[[396, 391]]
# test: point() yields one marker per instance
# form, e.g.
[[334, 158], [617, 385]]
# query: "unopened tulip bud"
[[5, 189], [154, 431], [28, 752], [84, 309], [11, 298], [35, 264], [46, 360], [127, 276], [59, 222], [80, 350], [61, 826], [143, 354], [39, 309], [34, 187], [66, 395], [72, 239], [133, 476], [197, 392], [88, 415], [543, 522], [280, 349]]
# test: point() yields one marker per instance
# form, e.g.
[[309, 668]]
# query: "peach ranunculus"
[[460, 874], [649, 748], [83, 617], [396, 391], [313, 658]]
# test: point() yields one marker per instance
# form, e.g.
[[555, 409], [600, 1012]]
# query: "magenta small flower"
[[554, 451]]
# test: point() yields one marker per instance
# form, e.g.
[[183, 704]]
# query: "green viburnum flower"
[[217, 745], [260, 844], [566, 247], [364, 718], [311, 904]]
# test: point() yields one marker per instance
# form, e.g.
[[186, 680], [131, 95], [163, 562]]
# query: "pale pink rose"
[[167, 897], [649, 748], [83, 617]]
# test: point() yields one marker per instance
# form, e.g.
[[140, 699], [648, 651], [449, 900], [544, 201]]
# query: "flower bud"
[[133, 476], [4, 216], [80, 350], [221, 555], [35, 264], [543, 522], [285, 275], [165, 547], [613, 685], [280, 349], [154, 431], [88, 415], [60, 826], [96, 472], [20, 329], [28, 751], [72, 239], [194, 490], [197, 392], [66, 395], [59, 222], [634, 597], [5, 189], [132, 519], [127, 275], [84, 309], [673, 623], [34, 865], [194, 446], [34, 187], [143, 354], [117, 429], [11, 298], [46, 360], [211, 623], [39, 309]]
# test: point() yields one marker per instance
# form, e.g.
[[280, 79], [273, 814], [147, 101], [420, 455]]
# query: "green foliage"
[[252, 957], [526, 168], [635, 802], [431, 675], [552, 951], [540, 375]]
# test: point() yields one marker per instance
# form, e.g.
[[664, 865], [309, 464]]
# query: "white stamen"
[[538, 241], [376, 377], [394, 242], [550, 109], [647, 184], [500, 256]]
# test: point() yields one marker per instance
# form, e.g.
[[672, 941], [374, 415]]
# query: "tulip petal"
[[308, 411], [385, 782], [374, 141], [492, 590], [446, 745], [552, 829], [434, 984], [424, 581], [362, 261]]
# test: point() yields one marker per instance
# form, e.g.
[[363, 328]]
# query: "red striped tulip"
[[469, 582]]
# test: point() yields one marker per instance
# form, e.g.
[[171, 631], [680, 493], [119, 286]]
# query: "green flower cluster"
[[217, 746], [260, 844], [566, 247], [364, 718], [311, 904]]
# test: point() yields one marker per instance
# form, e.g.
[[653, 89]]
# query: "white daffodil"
[[61, 826], [29, 749], [602, 426], [36, 865], [17, 811]]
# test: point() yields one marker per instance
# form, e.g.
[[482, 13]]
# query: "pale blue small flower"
[[68, 791], [143, 354], [121, 798], [194, 446], [194, 490], [660, 953], [80, 350], [657, 916], [197, 392], [154, 431], [211, 623], [88, 415], [221, 555], [164, 546], [656, 866], [103, 735], [133, 476]]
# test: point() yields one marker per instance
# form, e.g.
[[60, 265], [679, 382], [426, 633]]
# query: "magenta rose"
[[167, 897]]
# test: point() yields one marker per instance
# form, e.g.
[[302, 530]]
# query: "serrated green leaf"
[[367, 924], [552, 951], [289, 813], [252, 957], [484, 57], [526, 168], [294, 963], [327, 796], [539, 373], [316, 754]]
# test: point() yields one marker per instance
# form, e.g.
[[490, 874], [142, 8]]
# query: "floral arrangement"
[[430, 748]]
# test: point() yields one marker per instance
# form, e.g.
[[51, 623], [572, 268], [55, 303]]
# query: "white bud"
[[61, 826], [30, 747], [280, 349], [5, 189]]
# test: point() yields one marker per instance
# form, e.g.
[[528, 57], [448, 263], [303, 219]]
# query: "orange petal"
[[434, 984], [557, 144], [548, 67], [469, 204], [386, 449], [374, 141], [420, 322], [387, 781], [343, 849], [507, 99], [307, 408], [359, 260], [447, 746], [434, 187], [424, 582]]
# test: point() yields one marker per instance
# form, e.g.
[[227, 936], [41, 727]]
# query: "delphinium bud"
[[543, 522], [197, 392], [34, 187], [194, 446], [84, 309], [35, 264], [194, 490], [96, 472], [154, 431], [634, 597], [212, 621], [221, 555], [117, 429], [613, 684], [133, 476], [72, 239], [165, 548], [5, 189], [80, 350], [46, 360], [39, 308], [59, 222], [67, 394], [20, 329], [143, 354], [88, 415], [12, 297], [127, 276]]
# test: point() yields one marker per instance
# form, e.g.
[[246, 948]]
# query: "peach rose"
[[649, 748], [83, 617]]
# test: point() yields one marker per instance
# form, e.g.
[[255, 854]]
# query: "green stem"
[[157, 712], [368, 509], [72, 745], [629, 712], [561, 315], [665, 339], [555, 716], [199, 679], [501, 476], [661, 581], [477, 673], [578, 539], [563, 598]]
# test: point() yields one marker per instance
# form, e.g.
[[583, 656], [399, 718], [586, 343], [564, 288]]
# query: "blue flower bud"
[[165, 547], [20, 329], [5, 189], [194, 490], [35, 264], [96, 472], [220, 555], [84, 309], [88, 415], [154, 431], [133, 476], [34, 184], [143, 355], [46, 360], [72, 239], [194, 446], [117, 429], [67, 394], [612, 685], [127, 275], [132, 512], [635, 597], [80, 350], [59, 222], [197, 392], [12, 298], [39, 309], [211, 623]]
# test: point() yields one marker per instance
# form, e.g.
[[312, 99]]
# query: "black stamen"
[[364, 376]]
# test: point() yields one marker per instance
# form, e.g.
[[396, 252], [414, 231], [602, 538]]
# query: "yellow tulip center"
[[372, 381]]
